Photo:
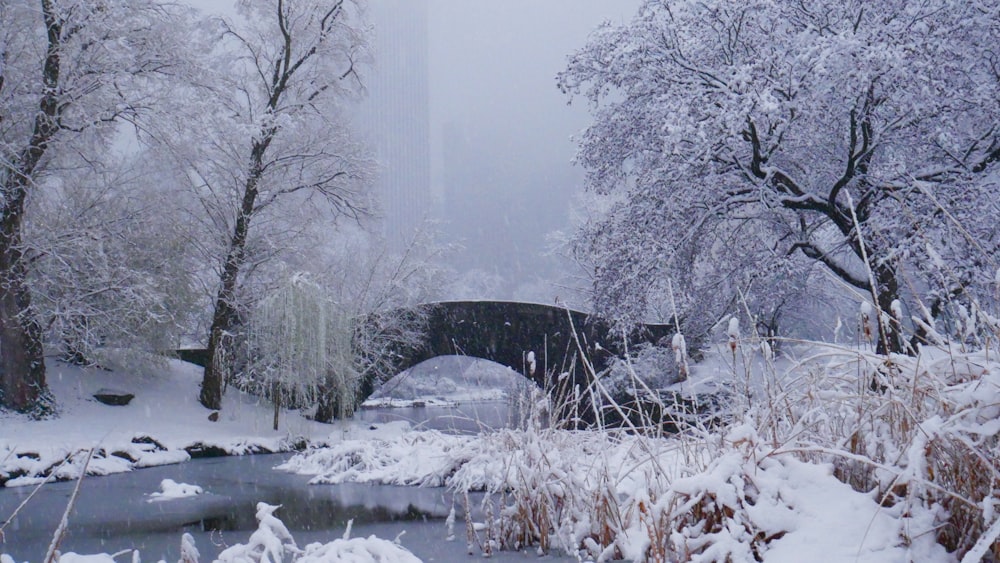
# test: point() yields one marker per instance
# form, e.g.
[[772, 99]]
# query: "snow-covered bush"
[[112, 267], [300, 351], [273, 543], [388, 461], [930, 441], [656, 366]]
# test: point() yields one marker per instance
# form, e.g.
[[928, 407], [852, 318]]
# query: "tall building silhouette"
[[395, 117]]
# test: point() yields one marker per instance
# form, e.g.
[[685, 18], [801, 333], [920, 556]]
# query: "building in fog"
[[395, 117]]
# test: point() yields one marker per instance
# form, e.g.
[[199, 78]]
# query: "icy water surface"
[[463, 418], [113, 513]]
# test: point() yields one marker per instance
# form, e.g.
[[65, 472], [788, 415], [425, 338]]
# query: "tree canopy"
[[754, 138], [70, 72], [277, 132]]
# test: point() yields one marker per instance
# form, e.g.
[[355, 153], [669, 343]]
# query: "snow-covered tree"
[[270, 135], [756, 136], [325, 338], [110, 264], [70, 70], [382, 289], [299, 343]]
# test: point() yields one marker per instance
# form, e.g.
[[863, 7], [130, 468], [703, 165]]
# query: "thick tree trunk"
[[219, 348], [225, 317], [224, 321], [328, 402], [22, 381]]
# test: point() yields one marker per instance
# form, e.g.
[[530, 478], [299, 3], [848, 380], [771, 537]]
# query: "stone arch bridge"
[[541, 342], [545, 343]]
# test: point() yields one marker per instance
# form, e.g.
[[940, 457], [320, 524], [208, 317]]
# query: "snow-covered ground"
[[773, 484], [155, 428]]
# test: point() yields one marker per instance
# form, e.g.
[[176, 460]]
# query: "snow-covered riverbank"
[[814, 464], [164, 423]]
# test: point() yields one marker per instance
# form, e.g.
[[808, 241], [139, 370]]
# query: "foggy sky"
[[492, 69], [500, 132]]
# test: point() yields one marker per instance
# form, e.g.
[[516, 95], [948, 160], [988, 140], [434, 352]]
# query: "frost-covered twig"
[[52, 554], [983, 545]]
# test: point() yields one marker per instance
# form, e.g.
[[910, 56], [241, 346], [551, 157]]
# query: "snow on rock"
[[170, 489], [77, 558], [167, 457]]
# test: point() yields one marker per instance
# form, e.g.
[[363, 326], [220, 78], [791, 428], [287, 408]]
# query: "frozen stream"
[[113, 513]]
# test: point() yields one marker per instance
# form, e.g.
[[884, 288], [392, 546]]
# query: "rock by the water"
[[113, 397]]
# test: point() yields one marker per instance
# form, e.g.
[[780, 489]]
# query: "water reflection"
[[464, 418]]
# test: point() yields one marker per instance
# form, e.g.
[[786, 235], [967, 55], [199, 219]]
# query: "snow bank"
[[160, 426]]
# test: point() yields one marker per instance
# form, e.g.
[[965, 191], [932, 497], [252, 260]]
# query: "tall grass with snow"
[[812, 461], [923, 452]]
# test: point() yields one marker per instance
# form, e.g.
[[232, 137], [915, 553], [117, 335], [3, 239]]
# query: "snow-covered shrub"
[[549, 488], [654, 365], [923, 456], [357, 550], [814, 462], [390, 462], [273, 543], [300, 350], [921, 434], [269, 543]]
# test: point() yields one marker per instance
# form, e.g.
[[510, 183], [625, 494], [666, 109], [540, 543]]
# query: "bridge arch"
[[533, 339], [510, 333]]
